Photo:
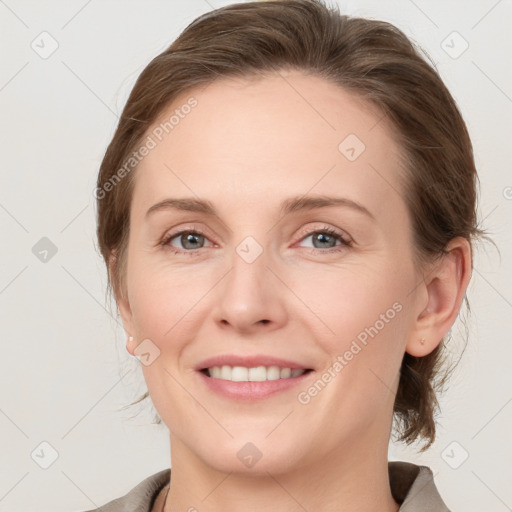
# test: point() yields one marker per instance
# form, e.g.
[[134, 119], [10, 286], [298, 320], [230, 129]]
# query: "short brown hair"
[[372, 59]]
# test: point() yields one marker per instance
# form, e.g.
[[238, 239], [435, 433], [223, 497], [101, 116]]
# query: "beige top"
[[412, 487]]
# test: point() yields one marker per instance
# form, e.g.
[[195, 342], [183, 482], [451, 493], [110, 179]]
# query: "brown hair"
[[370, 58]]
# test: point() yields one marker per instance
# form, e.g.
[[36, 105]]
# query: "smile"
[[254, 374]]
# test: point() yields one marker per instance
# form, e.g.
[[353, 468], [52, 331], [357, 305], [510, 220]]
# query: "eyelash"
[[325, 230]]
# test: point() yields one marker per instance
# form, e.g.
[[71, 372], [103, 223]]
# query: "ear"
[[445, 285], [123, 303]]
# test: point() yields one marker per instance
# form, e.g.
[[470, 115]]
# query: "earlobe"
[[420, 347], [126, 315], [131, 345], [446, 287]]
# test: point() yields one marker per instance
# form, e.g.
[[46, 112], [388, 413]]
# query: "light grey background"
[[64, 370]]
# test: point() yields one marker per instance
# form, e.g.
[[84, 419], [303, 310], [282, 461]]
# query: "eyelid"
[[168, 236], [344, 238], [335, 231]]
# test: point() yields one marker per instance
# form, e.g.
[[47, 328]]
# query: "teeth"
[[257, 374]]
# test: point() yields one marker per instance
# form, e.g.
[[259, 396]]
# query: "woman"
[[287, 211]]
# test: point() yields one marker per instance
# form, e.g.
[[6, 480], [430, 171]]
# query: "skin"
[[247, 146]]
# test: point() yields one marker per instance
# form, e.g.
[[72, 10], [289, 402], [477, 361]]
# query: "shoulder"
[[141, 497], [414, 488]]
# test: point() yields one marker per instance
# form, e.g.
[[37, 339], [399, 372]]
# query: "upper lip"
[[249, 362]]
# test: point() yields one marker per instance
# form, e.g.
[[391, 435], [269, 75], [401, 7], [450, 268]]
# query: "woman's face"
[[266, 276]]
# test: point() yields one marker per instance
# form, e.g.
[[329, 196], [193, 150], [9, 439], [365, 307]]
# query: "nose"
[[251, 298]]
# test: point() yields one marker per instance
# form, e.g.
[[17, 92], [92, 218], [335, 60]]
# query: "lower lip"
[[251, 391]]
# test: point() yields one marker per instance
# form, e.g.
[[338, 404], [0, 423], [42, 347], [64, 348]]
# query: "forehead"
[[262, 138]]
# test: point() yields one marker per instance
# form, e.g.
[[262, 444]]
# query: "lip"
[[252, 391], [250, 362]]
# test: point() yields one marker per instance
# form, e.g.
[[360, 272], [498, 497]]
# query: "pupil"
[[322, 236], [190, 238]]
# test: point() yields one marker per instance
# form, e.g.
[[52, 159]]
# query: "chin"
[[251, 458]]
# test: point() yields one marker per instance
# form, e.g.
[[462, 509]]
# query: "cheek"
[[360, 324], [160, 303], [168, 302], [362, 330], [166, 307], [345, 302]]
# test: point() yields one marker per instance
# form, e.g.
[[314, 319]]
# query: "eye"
[[324, 240], [189, 240]]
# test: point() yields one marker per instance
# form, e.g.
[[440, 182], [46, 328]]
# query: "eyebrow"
[[288, 206]]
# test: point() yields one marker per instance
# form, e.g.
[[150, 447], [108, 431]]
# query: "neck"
[[351, 479]]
